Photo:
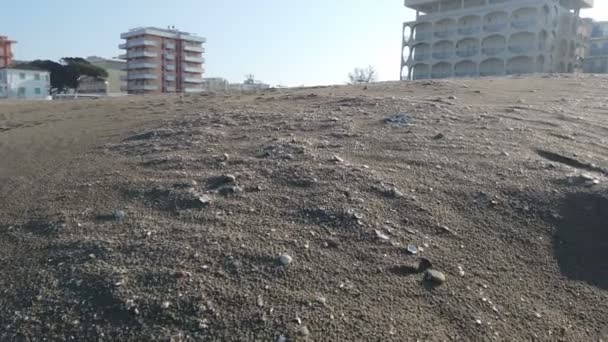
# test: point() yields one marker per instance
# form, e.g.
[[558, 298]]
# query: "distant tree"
[[75, 67], [362, 75], [65, 74]]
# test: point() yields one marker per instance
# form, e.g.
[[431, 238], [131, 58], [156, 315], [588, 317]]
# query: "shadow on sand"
[[581, 239]]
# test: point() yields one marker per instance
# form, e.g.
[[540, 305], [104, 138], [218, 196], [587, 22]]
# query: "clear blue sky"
[[280, 41]]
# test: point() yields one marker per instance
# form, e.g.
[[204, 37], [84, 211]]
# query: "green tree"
[[65, 73]]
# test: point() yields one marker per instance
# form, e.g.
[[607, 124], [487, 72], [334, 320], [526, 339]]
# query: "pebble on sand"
[[435, 276], [285, 259]]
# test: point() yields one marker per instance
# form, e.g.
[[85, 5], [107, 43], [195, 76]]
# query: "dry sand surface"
[[480, 214]]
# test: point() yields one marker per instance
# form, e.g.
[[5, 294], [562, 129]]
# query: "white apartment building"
[[24, 84], [472, 38], [163, 61]]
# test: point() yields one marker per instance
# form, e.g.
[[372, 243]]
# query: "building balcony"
[[421, 56], [421, 36], [189, 79], [198, 70], [194, 59], [465, 74], [170, 78], [467, 52], [469, 30], [141, 54], [442, 55], [441, 75], [142, 87], [523, 23], [170, 89], [142, 76], [140, 65], [193, 90], [495, 27], [193, 48], [131, 43], [522, 48], [491, 51], [169, 57], [598, 52], [169, 46], [444, 33]]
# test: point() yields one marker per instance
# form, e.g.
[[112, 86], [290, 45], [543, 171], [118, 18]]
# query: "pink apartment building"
[[162, 61], [6, 52]]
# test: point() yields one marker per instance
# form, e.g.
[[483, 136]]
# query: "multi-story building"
[[596, 61], [163, 61], [471, 38], [6, 51], [116, 69], [24, 84]]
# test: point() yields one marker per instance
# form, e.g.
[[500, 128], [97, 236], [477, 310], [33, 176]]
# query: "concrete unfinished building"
[[472, 38]]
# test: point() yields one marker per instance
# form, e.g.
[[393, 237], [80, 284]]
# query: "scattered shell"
[[381, 236], [285, 259], [412, 249], [165, 305], [435, 276], [119, 215]]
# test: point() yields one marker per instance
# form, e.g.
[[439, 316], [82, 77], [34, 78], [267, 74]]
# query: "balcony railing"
[[444, 33], [467, 52], [193, 69], [469, 30], [143, 76], [421, 56], [522, 48], [193, 90], [169, 57], [193, 79], [142, 87], [465, 74], [170, 67], [193, 48], [495, 27], [420, 36], [523, 23], [598, 52], [194, 59], [442, 55], [441, 75], [491, 51], [169, 77], [169, 46], [139, 54], [137, 42], [131, 66]]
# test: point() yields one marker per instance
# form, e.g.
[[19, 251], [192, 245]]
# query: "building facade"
[[596, 60], [215, 84], [116, 69], [163, 61], [472, 38], [24, 84]]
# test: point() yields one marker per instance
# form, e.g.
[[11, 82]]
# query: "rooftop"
[[167, 33], [415, 4]]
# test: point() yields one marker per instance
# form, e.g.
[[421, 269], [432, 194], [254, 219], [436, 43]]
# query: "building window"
[[37, 77], [21, 91], [22, 76], [37, 91], [46, 77]]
